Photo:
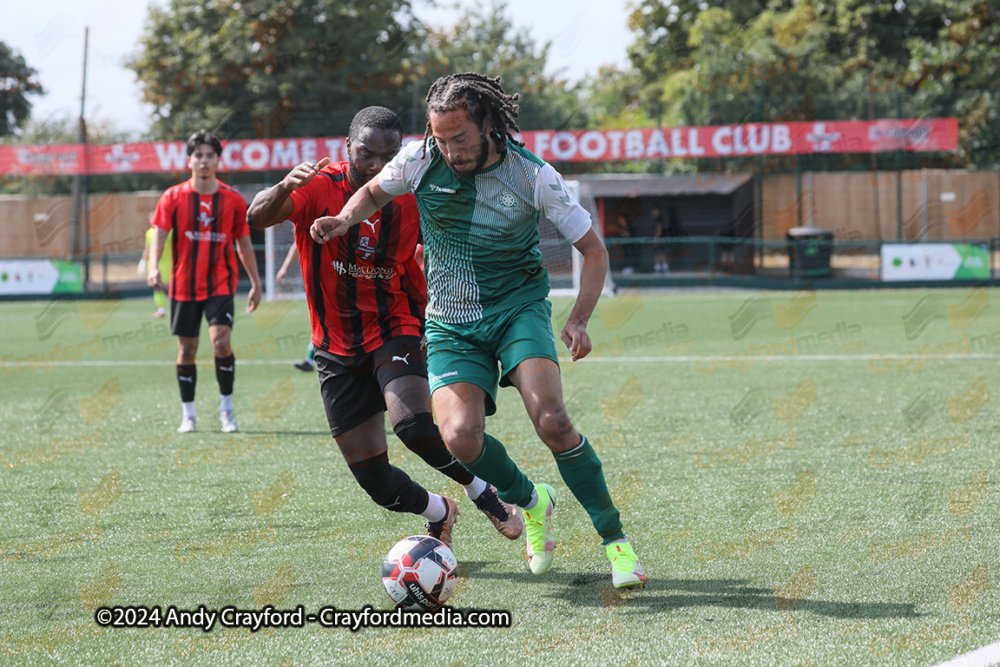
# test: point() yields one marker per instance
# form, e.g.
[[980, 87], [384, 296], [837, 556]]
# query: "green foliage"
[[735, 62], [268, 69], [304, 67], [613, 99], [17, 82], [485, 40]]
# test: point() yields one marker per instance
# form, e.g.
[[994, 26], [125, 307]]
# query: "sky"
[[585, 34]]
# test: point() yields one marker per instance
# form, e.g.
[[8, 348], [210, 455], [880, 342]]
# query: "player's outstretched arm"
[[274, 205], [362, 204], [244, 248], [592, 276]]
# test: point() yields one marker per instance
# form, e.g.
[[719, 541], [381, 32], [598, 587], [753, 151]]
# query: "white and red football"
[[419, 573]]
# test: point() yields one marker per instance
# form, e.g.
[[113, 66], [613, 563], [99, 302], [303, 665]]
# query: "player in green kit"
[[166, 264], [480, 194]]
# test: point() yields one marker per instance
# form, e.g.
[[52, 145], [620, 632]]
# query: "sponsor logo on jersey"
[[364, 272], [438, 188], [206, 236]]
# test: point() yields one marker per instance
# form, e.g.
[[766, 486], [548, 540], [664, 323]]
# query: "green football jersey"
[[480, 234]]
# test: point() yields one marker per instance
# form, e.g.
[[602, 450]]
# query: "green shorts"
[[470, 352]]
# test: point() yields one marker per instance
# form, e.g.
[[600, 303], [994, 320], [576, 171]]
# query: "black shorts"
[[353, 387], [185, 316]]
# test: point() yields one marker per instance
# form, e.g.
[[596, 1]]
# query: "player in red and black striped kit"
[[206, 217], [366, 297]]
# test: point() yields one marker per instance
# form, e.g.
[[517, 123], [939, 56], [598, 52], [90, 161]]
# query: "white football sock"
[[475, 488], [226, 403], [531, 503], [188, 410], [436, 509]]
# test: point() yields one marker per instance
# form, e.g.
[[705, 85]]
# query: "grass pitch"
[[807, 478]]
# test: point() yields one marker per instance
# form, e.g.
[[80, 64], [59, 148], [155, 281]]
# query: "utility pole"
[[81, 232], [871, 117]]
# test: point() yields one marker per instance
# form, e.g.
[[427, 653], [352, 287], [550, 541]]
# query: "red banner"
[[927, 135]]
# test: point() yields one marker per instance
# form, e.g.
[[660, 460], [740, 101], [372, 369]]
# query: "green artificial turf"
[[797, 497]]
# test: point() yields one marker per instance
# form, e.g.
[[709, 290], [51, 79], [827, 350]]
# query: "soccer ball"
[[419, 573]]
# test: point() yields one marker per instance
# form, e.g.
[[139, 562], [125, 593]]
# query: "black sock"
[[187, 376], [421, 436], [225, 372], [389, 486]]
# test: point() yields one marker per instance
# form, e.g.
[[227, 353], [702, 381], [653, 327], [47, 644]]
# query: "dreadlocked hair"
[[483, 98]]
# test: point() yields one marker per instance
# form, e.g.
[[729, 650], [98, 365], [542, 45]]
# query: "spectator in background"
[[620, 254], [671, 229], [647, 225]]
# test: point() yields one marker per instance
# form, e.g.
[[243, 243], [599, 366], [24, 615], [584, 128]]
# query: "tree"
[[662, 31], [269, 68], [613, 100], [723, 61], [952, 73], [485, 40], [17, 82]]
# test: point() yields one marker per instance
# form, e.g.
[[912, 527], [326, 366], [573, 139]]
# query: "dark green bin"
[[809, 251]]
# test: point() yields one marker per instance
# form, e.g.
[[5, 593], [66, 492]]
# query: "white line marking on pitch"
[[983, 657], [631, 360], [251, 362], [793, 357]]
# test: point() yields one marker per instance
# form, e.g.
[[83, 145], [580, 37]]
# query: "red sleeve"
[[240, 226], [164, 211], [304, 200]]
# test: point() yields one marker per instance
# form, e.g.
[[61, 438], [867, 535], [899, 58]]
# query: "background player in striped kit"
[[206, 217]]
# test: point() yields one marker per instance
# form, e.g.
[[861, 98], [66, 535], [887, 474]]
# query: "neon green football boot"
[[626, 570], [538, 528]]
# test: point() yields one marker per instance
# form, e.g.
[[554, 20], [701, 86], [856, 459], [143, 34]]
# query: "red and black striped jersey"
[[363, 288], [205, 227]]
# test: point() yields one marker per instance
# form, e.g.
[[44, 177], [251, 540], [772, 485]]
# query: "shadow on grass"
[[271, 432], [723, 593], [594, 590]]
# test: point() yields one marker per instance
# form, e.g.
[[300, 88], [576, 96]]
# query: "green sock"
[[497, 468], [160, 299], [581, 470], [311, 354]]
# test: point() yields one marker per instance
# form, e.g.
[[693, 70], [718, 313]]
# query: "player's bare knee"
[[464, 441], [221, 344], [186, 353], [553, 425]]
